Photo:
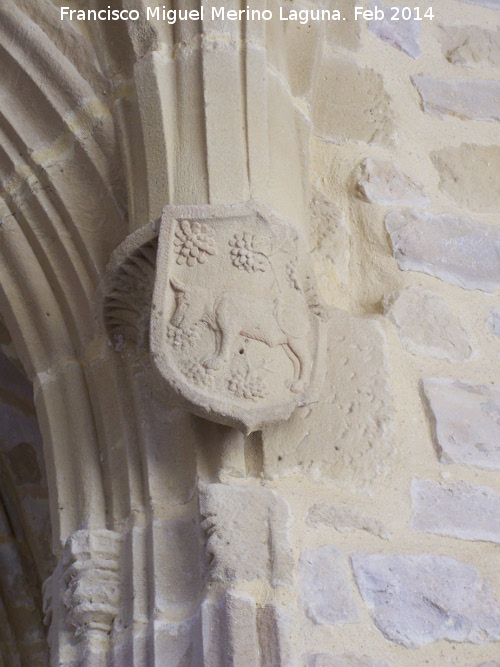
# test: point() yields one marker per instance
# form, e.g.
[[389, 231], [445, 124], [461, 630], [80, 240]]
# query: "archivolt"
[[62, 212]]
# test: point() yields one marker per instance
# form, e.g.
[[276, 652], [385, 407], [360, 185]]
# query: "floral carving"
[[249, 252], [182, 338], [199, 374], [245, 384], [193, 242]]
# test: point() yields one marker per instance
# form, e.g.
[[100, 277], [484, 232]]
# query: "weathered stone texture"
[[343, 33], [456, 510], [345, 660], [330, 233], [426, 325], [325, 589], [402, 35], [347, 434], [494, 322], [350, 104], [490, 4], [254, 522], [456, 250], [471, 46], [466, 424], [384, 182], [416, 600], [470, 176], [477, 99], [345, 520]]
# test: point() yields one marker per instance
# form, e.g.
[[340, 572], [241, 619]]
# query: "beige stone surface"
[[455, 249], [255, 522], [471, 46], [401, 34], [426, 324], [383, 182], [346, 435], [351, 104], [466, 426], [470, 176], [475, 99], [330, 234]]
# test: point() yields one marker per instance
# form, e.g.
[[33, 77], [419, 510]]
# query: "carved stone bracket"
[[236, 322]]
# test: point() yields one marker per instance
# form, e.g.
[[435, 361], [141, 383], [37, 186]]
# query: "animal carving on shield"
[[235, 326]]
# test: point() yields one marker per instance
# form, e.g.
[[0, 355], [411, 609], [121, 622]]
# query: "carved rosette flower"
[[247, 385], [193, 242], [249, 252], [198, 374]]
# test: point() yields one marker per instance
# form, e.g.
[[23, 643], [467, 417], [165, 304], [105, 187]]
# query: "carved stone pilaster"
[[82, 596], [91, 573]]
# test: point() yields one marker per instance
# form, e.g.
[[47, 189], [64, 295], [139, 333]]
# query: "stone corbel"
[[225, 298]]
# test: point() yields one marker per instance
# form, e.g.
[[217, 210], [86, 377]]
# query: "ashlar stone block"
[[475, 99], [351, 104], [456, 510], [470, 176], [426, 325], [454, 249], [418, 599], [402, 34], [325, 589], [247, 534], [466, 423], [470, 46]]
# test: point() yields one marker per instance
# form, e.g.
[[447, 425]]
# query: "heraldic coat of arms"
[[236, 325]]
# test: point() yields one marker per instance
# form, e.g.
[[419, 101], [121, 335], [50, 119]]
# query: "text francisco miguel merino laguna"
[[213, 12]]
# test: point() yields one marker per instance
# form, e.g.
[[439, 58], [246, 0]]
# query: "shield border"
[[211, 407]]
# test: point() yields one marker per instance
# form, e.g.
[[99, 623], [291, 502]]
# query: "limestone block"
[[343, 33], [490, 4], [303, 43], [470, 176], [426, 325], [347, 434], [456, 510], [416, 600], [345, 660], [470, 46], [247, 534], [477, 99], [345, 520], [325, 589], [237, 631], [493, 322], [351, 104], [466, 425], [384, 182], [330, 233], [456, 250], [402, 35]]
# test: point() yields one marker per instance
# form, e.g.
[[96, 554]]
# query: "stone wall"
[[392, 479]]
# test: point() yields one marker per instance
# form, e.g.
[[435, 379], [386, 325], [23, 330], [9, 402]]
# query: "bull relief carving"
[[235, 319]]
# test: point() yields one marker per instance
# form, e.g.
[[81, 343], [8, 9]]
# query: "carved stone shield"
[[235, 326]]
